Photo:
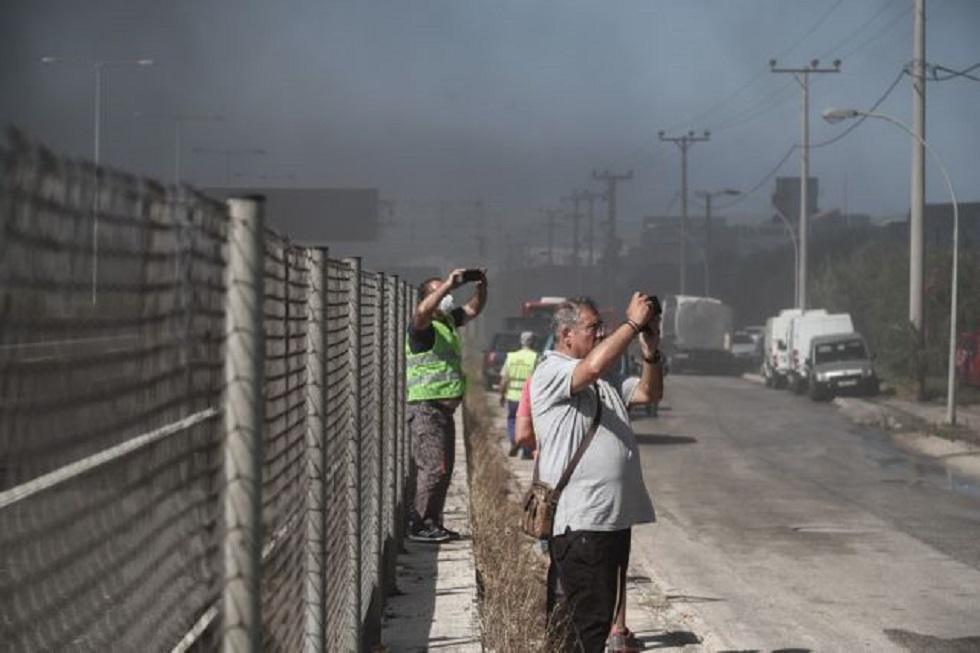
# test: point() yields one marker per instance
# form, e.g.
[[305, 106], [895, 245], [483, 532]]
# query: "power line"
[[874, 106], [727, 100], [861, 29], [951, 74]]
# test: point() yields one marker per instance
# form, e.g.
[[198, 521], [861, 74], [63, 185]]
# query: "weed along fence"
[[203, 438]]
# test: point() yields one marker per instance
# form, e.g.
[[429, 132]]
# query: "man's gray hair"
[[566, 315]]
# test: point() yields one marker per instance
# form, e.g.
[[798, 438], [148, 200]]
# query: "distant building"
[[937, 225], [786, 197]]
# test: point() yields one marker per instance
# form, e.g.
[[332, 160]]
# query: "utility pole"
[[917, 207], [612, 242], [550, 215], [684, 143], [802, 77], [575, 216], [590, 197], [611, 181]]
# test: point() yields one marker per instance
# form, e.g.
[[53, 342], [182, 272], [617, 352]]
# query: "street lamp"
[[228, 154], [833, 115], [178, 119], [97, 67], [265, 178], [796, 258], [708, 196]]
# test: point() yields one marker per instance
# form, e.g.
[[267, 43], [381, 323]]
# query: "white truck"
[[696, 333], [775, 362], [802, 330]]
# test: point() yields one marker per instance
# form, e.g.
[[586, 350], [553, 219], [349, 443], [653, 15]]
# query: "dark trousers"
[[511, 419], [434, 436], [590, 565]]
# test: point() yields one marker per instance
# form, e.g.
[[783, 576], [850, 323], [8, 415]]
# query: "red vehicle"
[[541, 308], [968, 358]]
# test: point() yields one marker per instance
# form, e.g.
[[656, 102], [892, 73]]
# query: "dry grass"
[[511, 573]]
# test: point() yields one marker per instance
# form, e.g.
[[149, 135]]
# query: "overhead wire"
[[952, 74], [861, 119], [727, 100], [862, 27], [774, 99], [775, 169]]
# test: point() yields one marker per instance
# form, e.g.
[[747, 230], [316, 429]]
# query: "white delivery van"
[[802, 329], [775, 362]]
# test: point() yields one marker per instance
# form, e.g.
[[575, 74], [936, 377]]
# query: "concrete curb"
[[436, 604]]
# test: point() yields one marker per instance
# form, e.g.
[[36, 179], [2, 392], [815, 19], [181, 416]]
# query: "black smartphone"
[[473, 274]]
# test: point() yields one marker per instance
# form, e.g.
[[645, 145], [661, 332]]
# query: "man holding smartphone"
[[436, 385]]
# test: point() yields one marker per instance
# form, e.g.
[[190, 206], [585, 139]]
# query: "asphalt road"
[[784, 526]]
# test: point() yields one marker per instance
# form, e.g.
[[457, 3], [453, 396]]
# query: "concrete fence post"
[[354, 525], [243, 424], [316, 463], [379, 466]]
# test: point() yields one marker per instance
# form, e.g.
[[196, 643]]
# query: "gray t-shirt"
[[606, 491]]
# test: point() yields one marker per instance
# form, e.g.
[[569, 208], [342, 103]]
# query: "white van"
[[802, 329], [775, 362]]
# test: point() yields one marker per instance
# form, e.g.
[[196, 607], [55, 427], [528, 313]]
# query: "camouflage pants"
[[434, 436]]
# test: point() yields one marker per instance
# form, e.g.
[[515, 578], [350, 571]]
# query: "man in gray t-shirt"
[[605, 495]]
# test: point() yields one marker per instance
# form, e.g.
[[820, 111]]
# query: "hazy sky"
[[514, 102]]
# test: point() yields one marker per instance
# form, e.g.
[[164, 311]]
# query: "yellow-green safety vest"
[[438, 372], [518, 366]]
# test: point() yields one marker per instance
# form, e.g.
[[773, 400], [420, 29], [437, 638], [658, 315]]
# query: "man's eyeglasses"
[[596, 327]]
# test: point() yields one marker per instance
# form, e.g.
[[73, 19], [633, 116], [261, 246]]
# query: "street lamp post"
[[178, 120], [97, 68], [708, 196], [833, 115], [796, 258], [265, 178], [228, 154]]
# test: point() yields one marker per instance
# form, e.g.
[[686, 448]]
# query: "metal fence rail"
[[202, 425]]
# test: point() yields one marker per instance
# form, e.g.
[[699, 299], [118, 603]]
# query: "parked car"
[[495, 354], [747, 350], [839, 364]]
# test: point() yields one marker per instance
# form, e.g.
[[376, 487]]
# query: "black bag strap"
[[567, 474]]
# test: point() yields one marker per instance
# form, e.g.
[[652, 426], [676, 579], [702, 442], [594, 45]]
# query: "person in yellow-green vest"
[[517, 367], [436, 384]]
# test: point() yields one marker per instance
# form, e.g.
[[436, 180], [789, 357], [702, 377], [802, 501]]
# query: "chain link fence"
[[203, 438]]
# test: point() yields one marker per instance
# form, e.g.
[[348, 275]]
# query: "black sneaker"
[[429, 533], [453, 535]]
